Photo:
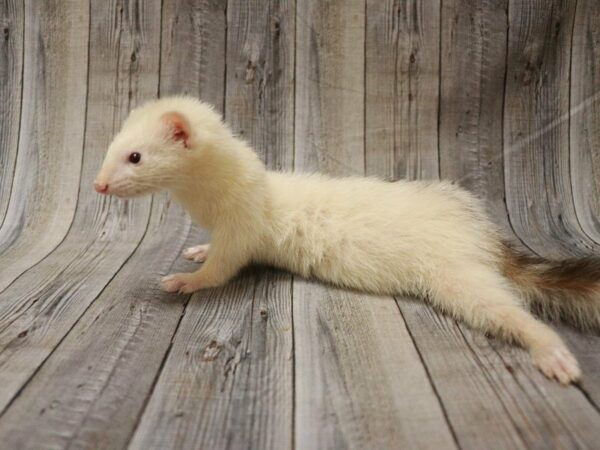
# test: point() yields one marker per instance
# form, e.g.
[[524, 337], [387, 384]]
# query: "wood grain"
[[193, 49], [536, 128], [354, 357], [85, 387], [402, 48], [12, 20], [584, 134], [48, 163], [42, 305], [230, 362], [542, 186], [330, 87], [92, 389], [228, 381], [473, 45], [260, 77], [359, 379], [501, 97], [493, 396], [584, 114], [482, 384]]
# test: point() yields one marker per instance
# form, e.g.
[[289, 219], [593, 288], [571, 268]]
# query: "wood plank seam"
[[57, 346], [488, 377], [158, 373], [293, 277], [186, 302], [570, 170], [12, 181], [430, 378], [77, 205]]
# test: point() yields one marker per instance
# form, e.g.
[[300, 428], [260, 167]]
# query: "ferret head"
[[150, 153]]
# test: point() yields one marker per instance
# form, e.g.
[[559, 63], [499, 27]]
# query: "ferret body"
[[343, 231], [429, 239]]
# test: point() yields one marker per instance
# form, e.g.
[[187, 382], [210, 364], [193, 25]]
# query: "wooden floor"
[[94, 355]]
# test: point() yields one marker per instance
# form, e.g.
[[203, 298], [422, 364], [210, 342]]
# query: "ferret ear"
[[178, 127]]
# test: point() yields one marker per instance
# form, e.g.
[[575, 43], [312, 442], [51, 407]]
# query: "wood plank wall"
[[502, 97]]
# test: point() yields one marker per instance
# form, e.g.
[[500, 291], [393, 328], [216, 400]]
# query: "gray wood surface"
[[43, 304], [584, 133], [12, 19], [358, 374], [402, 83], [473, 55], [502, 97], [584, 111], [228, 381], [51, 131]]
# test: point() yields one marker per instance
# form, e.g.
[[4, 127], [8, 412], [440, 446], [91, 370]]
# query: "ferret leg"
[[197, 253], [223, 262], [480, 299]]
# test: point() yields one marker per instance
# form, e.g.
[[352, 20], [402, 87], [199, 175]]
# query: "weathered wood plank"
[[359, 380], [228, 381], [542, 183], [41, 306], [536, 128], [222, 375], [44, 192], [584, 132], [584, 115], [193, 49], [330, 58], [95, 385], [91, 390], [450, 364], [12, 20], [475, 414], [228, 378], [473, 45], [260, 77], [402, 79], [492, 395]]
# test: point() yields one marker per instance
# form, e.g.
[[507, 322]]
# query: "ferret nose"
[[101, 188]]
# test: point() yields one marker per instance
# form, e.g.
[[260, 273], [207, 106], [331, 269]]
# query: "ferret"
[[432, 240]]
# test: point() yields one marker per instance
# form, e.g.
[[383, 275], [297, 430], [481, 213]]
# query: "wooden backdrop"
[[502, 96]]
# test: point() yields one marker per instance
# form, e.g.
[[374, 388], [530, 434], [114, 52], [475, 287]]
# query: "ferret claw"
[[182, 283], [559, 364], [197, 253]]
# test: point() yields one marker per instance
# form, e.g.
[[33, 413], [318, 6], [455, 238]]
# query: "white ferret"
[[429, 239]]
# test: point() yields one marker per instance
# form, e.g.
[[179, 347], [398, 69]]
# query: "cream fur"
[[430, 239]]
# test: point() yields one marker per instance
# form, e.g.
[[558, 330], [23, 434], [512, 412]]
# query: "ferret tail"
[[567, 290]]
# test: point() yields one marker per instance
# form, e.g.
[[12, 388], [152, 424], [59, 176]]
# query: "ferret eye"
[[135, 158]]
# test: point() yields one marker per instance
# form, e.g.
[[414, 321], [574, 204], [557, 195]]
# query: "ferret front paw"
[[184, 283], [557, 363], [197, 253]]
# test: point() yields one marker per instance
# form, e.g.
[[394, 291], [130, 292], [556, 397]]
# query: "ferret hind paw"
[[558, 363], [183, 283], [197, 253]]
